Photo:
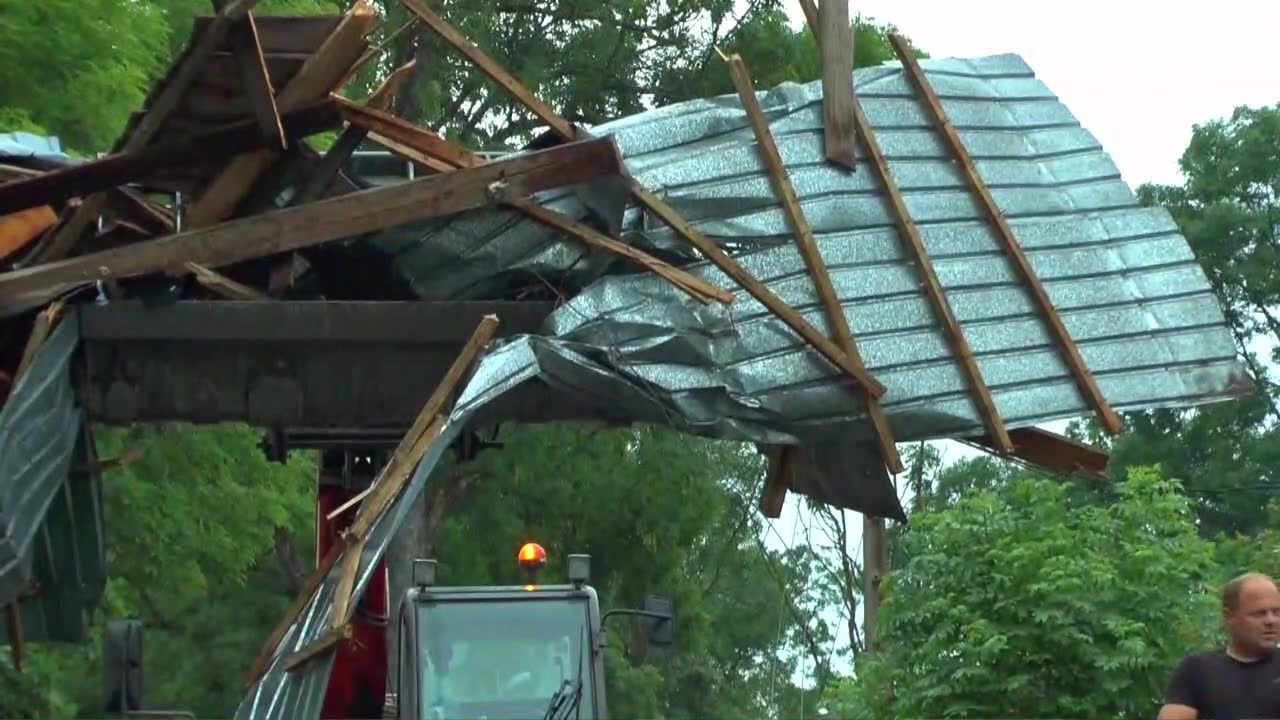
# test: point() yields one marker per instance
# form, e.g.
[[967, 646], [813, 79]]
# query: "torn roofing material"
[[1124, 280]]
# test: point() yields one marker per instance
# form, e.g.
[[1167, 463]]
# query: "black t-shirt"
[[1220, 687]]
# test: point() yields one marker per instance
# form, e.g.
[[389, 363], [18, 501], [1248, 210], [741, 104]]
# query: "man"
[[1241, 681]]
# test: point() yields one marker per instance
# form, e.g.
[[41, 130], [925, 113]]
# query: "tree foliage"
[[1019, 602]]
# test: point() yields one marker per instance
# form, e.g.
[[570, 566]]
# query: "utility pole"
[[875, 565]]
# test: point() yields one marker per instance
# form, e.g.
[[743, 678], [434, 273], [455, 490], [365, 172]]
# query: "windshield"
[[501, 659]]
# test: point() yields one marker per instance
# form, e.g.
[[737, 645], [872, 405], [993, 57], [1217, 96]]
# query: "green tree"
[[1024, 603], [1228, 207]]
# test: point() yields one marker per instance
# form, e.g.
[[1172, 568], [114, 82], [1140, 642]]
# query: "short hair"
[[1232, 590]]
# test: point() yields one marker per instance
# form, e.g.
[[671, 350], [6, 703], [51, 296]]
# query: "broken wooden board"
[[836, 48], [332, 219]]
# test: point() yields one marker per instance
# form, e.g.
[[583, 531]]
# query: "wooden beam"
[[322, 644], [406, 133], [17, 648], [243, 39], [131, 204], [933, 290], [694, 286], [808, 247], [223, 285], [757, 289], [335, 218], [136, 165], [383, 97], [412, 154], [319, 76], [490, 67], [836, 48], [1022, 266], [40, 332], [189, 68], [875, 566], [1055, 452], [779, 479], [309, 587]]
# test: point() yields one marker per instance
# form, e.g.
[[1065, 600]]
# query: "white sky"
[[1138, 74]]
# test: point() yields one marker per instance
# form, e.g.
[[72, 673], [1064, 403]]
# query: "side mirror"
[[122, 665], [660, 621]]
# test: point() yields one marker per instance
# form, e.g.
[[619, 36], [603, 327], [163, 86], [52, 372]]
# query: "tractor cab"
[[509, 652]]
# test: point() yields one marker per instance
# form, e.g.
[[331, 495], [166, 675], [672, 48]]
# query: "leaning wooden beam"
[[309, 587], [811, 17], [836, 48], [808, 247], [1004, 234], [490, 67], [134, 165], [660, 209], [1055, 452], [415, 443], [332, 219], [247, 49], [914, 244], [694, 286], [778, 480], [189, 68], [319, 76]]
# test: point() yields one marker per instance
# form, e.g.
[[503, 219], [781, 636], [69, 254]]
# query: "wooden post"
[[875, 565]]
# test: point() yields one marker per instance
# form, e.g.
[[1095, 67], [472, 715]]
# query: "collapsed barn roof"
[[720, 269]]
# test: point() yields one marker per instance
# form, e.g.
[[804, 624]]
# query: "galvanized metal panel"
[[39, 424]]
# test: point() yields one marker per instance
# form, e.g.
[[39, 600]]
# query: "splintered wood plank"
[[223, 285], [17, 230], [836, 47], [309, 587], [131, 166], [327, 640], [406, 133], [757, 289], [318, 77], [189, 68], [808, 247], [1056, 452], [1022, 266], [243, 39], [694, 286], [490, 67], [339, 217], [933, 290]]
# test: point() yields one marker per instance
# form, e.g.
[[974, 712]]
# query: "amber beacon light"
[[532, 557]]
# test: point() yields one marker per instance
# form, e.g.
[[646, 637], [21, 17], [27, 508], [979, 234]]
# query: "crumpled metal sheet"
[[39, 426], [1124, 280]]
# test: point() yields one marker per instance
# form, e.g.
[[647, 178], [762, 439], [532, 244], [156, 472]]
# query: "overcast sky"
[[1138, 74]]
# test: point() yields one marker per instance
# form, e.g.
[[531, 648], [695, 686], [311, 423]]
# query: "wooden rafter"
[[223, 285], [247, 49], [1022, 266], [1055, 452], [661, 210], [914, 245], [65, 237], [490, 67], [808, 247], [319, 76], [105, 174], [405, 133], [836, 49], [339, 217]]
